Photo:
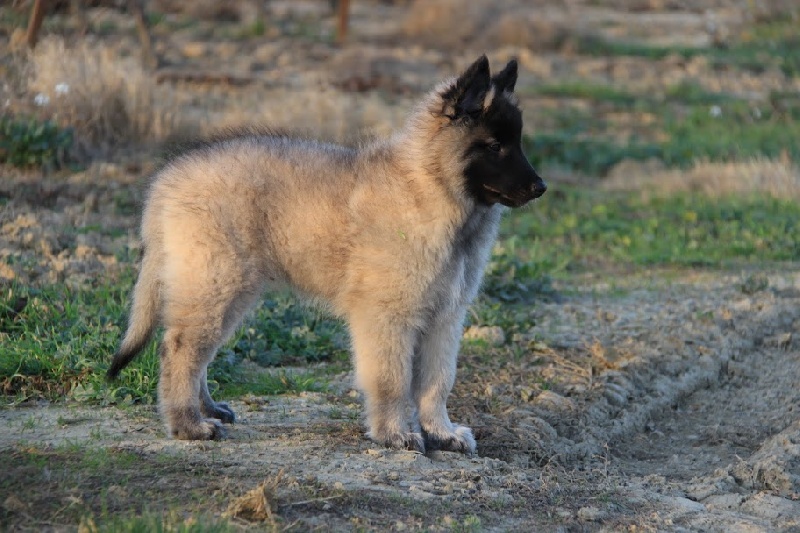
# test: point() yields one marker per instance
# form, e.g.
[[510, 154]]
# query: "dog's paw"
[[204, 429], [400, 441], [221, 411], [460, 440]]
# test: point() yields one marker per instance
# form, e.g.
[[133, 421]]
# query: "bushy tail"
[[143, 316]]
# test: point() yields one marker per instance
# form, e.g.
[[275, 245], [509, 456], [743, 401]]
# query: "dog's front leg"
[[383, 350], [434, 375]]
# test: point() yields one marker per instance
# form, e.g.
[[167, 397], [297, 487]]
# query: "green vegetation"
[[579, 230], [771, 44], [682, 123], [100, 478], [592, 91], [697, 124], [29, 142], [58, 343]]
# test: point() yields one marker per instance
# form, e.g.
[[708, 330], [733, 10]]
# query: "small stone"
[[553, 401], [591, 513], [493, 335], [194, 49]]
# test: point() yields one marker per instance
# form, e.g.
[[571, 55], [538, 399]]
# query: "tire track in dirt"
[[732, 446]]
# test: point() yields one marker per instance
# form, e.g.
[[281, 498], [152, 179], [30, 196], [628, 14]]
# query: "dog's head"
[[485, 107]]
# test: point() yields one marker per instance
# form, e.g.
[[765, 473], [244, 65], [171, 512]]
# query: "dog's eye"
[[495, 146]]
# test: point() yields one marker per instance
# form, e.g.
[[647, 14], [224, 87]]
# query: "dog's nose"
[[539, 188]]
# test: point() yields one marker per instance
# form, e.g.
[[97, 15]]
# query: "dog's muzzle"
[[538, 189]]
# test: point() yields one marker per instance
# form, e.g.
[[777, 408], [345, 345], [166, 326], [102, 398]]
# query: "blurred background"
[[607, 85]]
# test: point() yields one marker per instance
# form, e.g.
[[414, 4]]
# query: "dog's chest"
[[460, 277]]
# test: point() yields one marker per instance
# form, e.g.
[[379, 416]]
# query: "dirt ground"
[[671, 398], [673, 406]]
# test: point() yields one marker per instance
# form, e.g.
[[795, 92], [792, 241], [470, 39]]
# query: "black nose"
[[539, 188]]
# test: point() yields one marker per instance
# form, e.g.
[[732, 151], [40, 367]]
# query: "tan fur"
[[384, 236]]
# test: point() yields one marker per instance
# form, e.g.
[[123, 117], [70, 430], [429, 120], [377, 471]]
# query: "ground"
[[619, 396]]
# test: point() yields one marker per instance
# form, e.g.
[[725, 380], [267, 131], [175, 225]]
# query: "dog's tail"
[[143, 316]]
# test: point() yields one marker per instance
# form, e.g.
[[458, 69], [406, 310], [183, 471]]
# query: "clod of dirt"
[[258, 504]]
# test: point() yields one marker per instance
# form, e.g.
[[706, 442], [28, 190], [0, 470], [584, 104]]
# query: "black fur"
[[498, 171], [123, 359], [465, 98], [506, 78]]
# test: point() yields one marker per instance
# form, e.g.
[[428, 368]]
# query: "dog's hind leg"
[[383, 350], [434, 375], [210, 408], [186, 351], [198, 319]]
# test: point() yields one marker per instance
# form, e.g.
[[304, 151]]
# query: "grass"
[[58, 343], [580, 229], [583, 89], [691, 122], [104, 489], [771, 44], [108, 101], [710, 126], [695, 123]]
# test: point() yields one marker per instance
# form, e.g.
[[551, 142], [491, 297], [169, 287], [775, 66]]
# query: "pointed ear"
[[465, 97], [506, 78]]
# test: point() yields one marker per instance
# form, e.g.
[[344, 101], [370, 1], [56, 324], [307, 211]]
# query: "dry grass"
[[445, 23], [479, 24], [258, 504], [320, 113], [109, 101], [779, 178]]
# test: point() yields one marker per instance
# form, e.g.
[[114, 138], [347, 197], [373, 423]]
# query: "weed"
[[690, 92], [516, 276], [283, 331], [29, 142], [754, 283]]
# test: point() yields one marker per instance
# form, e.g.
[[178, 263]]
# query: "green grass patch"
[[150, 522], [735, 130], [106, 489], [728, 129], [771, 44], [592, 156], [586, 90], [582, 229], [57, 343], [597, 46], [692, 93]]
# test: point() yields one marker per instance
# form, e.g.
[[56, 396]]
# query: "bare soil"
[[658, 400]]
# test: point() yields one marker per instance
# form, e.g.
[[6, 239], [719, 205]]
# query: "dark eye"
[[495, 146]]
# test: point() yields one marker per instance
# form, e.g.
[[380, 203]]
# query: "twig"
[[314, 500], [37, 15]]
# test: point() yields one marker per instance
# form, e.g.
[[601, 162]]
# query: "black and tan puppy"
[[392, 237]]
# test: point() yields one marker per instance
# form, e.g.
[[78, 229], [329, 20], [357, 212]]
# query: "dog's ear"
[[506, 78], [465, 97]]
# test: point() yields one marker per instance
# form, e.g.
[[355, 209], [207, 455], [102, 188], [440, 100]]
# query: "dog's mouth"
[[508, 200]]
